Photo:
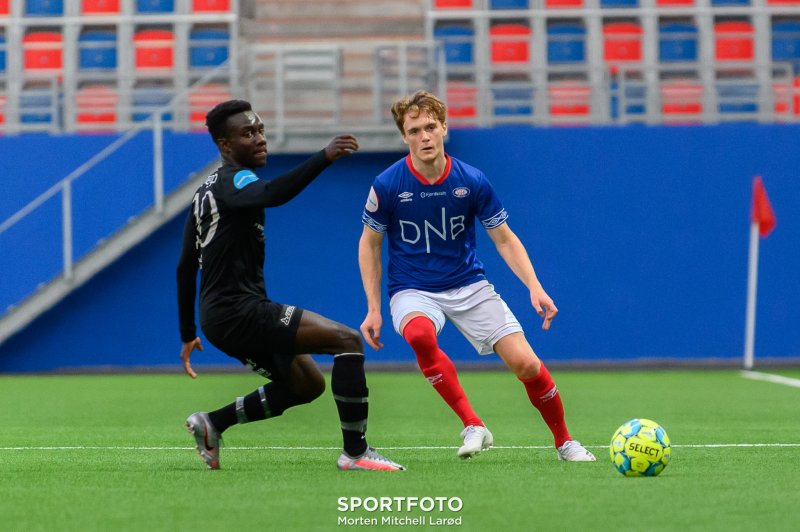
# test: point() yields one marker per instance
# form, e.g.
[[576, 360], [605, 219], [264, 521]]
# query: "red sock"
[[543, 393], [438, 368]]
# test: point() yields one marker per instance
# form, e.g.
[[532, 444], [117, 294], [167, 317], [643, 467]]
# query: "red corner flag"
[[762, 212]]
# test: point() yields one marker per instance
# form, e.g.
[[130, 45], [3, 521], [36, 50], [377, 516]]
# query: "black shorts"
[[261, 335]]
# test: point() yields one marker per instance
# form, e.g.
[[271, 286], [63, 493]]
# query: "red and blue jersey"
[[431, 227]]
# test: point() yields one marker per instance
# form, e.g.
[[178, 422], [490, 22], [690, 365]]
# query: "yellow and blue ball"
[[640, 448]]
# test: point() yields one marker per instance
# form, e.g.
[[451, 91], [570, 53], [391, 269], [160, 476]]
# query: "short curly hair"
[[217, 118], [419, 102]]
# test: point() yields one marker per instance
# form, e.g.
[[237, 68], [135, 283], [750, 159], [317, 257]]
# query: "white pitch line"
[[776, 379], [424, 448]]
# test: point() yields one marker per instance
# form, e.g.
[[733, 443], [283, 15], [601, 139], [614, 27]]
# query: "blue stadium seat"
[[155, 6], [716, 3], [619, 3], [44, 8], [677, 41], [738, 97], [36, 106], [97, 49], [513, 101], [635, 97], [508, 4], [146, 100], [2, 53], [208, 47], [457, 43], [786, 40], [566, 43]]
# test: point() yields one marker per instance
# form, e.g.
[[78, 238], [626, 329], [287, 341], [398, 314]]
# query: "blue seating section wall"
[[102, 202], [640, 234]]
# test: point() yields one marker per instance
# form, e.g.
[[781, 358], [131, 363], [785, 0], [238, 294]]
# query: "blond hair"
[[420, 102]]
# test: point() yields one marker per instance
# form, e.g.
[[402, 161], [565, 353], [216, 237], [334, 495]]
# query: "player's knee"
[[349, 340], [312, 387], [527, 368], [420, 335]]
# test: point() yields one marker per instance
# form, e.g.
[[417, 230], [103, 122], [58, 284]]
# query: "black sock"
[[270, 400], [349, 387]]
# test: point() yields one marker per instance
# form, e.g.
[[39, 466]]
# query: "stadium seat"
[[96, 108], [619, 4], [202, 100], [622, 42], [38, 105], [208, 47], [512, 101], [508, 4], [97, 49], [4, 8], [783, 2], [569, 99], [738, 96], [786, 40], [566, 43], [3, 102], [100, 7], [44, 8], [211, 6], [787, 98], [734, 41], [720, 3], [682, 102], [677, 42], [155, 6], [632, 96], [510, 43], [147, 100], [462, 101], [563, 4], [452, 4], [2, 53], [674, 3], [154, 49], [457, 43], [42, 51]]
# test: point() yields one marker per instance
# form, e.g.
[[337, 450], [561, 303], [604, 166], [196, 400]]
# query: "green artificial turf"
[[110, 453]]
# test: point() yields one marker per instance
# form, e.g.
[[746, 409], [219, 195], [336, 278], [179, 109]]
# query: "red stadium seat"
[[43, 51], [734, 41], [4, 8], [462, 101], [211, 6], [452, 4], [202, 100], [784, 2], [674, 3], [100, 7], [568, 100], [154, 49], [622, 42], [563, 4], [510, 43], [787, 98], [96, 108], [682, 102], [3, 101]]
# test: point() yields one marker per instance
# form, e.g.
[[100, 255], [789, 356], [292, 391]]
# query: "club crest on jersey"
[[372, 201], [405, 196], [461, 192], [244, 178]]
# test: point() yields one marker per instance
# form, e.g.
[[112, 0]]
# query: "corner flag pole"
[[762, 222], [752, 281]]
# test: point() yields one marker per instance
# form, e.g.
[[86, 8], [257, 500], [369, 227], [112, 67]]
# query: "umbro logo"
[[434, 379], [406, 196]]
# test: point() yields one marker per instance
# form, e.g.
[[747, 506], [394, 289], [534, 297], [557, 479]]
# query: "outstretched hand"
[[544, 306], [186, 353], [341, 146]]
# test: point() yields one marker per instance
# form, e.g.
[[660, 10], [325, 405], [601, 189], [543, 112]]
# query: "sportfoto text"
[[400, 504]]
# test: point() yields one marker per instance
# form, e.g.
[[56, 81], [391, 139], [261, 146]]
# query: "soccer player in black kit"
[[224, 238]]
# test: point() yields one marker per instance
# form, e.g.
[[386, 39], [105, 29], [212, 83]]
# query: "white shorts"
[[476, 310]]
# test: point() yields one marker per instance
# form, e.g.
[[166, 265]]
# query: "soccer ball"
[[640, 448]]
